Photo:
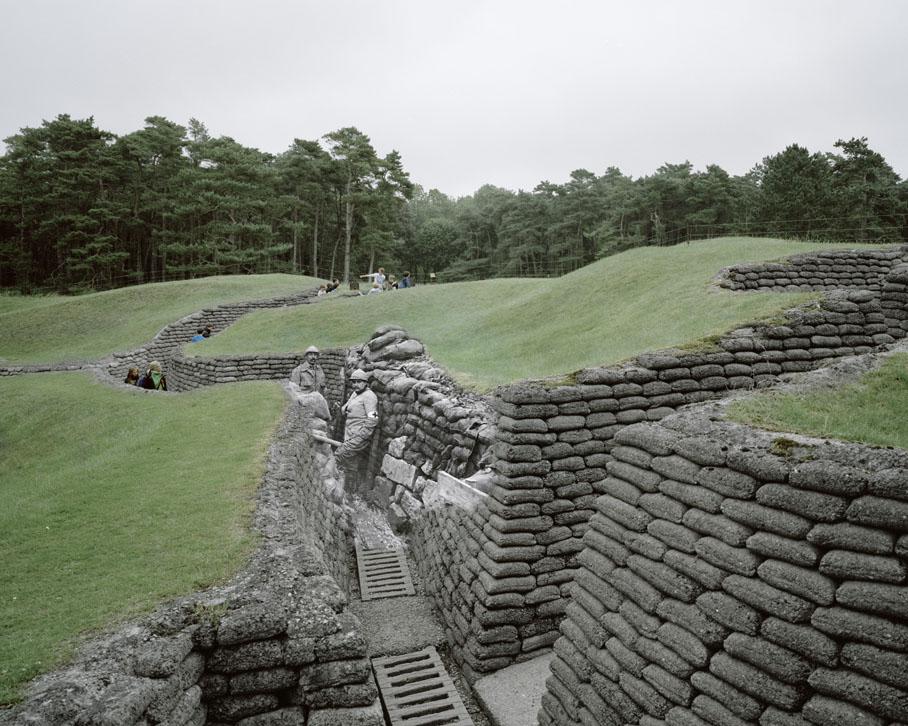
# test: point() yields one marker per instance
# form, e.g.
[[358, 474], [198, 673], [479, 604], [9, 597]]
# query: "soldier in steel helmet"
[[361, 410], [309, 375]]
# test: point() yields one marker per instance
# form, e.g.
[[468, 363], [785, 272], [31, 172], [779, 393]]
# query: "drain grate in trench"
[[417, 690], [383, 573]]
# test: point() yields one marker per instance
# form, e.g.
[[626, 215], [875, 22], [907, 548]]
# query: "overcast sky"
[[506, 93]]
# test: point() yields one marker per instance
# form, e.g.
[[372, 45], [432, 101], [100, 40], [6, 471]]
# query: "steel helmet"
[[359, 375], [311, 349]]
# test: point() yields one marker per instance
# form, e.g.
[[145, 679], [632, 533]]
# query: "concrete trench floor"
[[398, 625]]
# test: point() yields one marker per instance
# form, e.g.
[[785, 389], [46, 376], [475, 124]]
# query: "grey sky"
[[507, 93]]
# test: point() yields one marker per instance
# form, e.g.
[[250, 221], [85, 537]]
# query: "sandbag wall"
[[170, 339], [864, 269], [425, 424], [191, 372], [553, 456], [724, 583]]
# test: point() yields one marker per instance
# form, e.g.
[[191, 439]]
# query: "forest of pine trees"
[[82, 208]]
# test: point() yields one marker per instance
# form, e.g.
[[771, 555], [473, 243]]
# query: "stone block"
[[738, 560], [767, 519], [755, 682], [774, 546], [676, 468], [879, 512], [634, 587], [739, 703], [161, 657], [729, 612], [769, 657], [253, 622], [694, 619], [826, 711], [813, 505], [655, 652], [876, 697], [802, 581], [727, 482], [235, 708], [847, 565], [358, 716], [674, 535], [846, 536], [623, 513], [695, 568], [830, 477], [874, 597], [664, 578], [644, 479], [693, 495], [717, 525], [803, 639], [844, 624], [263, 681], [245, 657]]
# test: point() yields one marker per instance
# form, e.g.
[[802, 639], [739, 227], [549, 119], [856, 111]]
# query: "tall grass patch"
[[51, 329], [114, 500], [496, 331], [869, 412]]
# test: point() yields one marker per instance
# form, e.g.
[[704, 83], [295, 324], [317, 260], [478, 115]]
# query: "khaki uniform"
[[310, 378], [362, 418]]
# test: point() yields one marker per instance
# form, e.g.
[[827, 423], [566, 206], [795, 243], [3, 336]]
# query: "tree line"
[[83, 208]]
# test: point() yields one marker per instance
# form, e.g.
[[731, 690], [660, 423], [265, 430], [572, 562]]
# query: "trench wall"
[[724, 583], [863, 269], [187, 373], [275, 645], [167, 343], [513, 558]]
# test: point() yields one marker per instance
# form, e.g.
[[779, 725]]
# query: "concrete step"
[[513, 695]]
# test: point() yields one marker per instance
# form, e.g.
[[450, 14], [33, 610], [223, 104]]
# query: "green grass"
[[496, 331], [114, 500], [52, 329], [12, 302], [869, 412]]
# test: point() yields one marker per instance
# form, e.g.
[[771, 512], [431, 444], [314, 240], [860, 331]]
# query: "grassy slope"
[[495, 331], [871, 411], [10, 303], [51, 329], [114, 500]]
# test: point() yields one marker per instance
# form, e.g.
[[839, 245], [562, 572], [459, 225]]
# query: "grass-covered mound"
[[495, 331], [869, 412], [114, 500], [51, 329]]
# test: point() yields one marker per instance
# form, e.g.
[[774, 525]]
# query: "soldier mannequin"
[[309, 375], [361, 410]]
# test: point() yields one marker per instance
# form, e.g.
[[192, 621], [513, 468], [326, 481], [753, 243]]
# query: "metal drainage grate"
[[383, 573], [417, 690]]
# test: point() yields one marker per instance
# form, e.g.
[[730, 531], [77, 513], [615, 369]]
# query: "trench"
[[494, 577]]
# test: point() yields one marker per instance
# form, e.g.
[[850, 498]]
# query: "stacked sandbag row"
[[307, 476], [555, 443], [289, 660], [48, 368], [447, 544], [894, 301], [187, 373], [722, 583], [170, 339], [425, 424], [864, 269]]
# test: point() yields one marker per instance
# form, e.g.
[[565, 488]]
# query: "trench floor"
[[404, 624]]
